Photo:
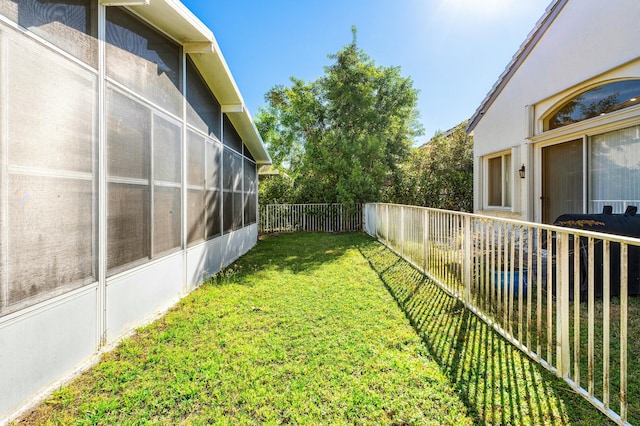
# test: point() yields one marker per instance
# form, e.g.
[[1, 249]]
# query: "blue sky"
[[454, 50]]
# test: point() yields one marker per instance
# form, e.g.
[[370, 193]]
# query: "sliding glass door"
[[562, 180]]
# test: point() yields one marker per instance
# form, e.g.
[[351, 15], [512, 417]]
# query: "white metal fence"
[[310, 217], [559, 294]]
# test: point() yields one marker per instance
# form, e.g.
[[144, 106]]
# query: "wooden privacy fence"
[[310, 217], [558, 294]]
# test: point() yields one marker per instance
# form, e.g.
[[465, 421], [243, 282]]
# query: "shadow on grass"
[[498, 383]]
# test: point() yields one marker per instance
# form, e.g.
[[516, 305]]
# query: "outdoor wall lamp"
[[521, 171]]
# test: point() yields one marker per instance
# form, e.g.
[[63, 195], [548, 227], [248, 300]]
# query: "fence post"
[[366, 209], [624, 312], [563, 352], [425, 241], [379, 225], [387, 236], [467, 261], [402, 230]]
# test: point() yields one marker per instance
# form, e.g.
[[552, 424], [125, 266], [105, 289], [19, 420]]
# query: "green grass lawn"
[[316, 329]]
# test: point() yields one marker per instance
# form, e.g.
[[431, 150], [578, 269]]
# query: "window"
[[614, 170], [499, 181], [600, 100]]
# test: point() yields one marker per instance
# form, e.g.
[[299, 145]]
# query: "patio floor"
[[317, 329]]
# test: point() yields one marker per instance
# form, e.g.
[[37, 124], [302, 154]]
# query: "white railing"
[[519, 277], [310, 217]]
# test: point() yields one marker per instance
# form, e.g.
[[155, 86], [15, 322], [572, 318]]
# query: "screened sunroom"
[[128, 175]]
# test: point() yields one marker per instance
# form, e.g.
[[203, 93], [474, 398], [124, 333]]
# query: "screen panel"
[[143, 60], [53, 110], [232, 171], [48, 217], [195, 159], [213, 164], [166, 219], [227, 213], [231, 137], [195, 215], [167, 158], [250, 200], [237, 210], [128, 137], [128, 222], [250, 176], [247, 153], [51, 236], [70, 25], [203, 109], [213, 206]]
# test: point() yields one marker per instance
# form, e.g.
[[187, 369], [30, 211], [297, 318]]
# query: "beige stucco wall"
[[590, 41]]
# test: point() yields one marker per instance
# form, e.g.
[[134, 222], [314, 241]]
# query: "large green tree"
[[343, 136], [438, 174], [277, 189]]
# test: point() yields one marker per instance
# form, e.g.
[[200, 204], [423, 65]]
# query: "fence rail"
[[310, 217], [559, 294]]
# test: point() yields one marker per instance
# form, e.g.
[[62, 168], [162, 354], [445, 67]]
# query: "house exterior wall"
[[589, 42], [125, 181]]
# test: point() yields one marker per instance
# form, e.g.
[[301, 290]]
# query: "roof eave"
[[552, 11]]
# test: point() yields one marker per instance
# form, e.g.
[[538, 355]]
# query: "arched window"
[[600, 100]]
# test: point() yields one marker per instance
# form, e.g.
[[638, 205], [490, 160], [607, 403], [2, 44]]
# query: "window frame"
[[548, 123]]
